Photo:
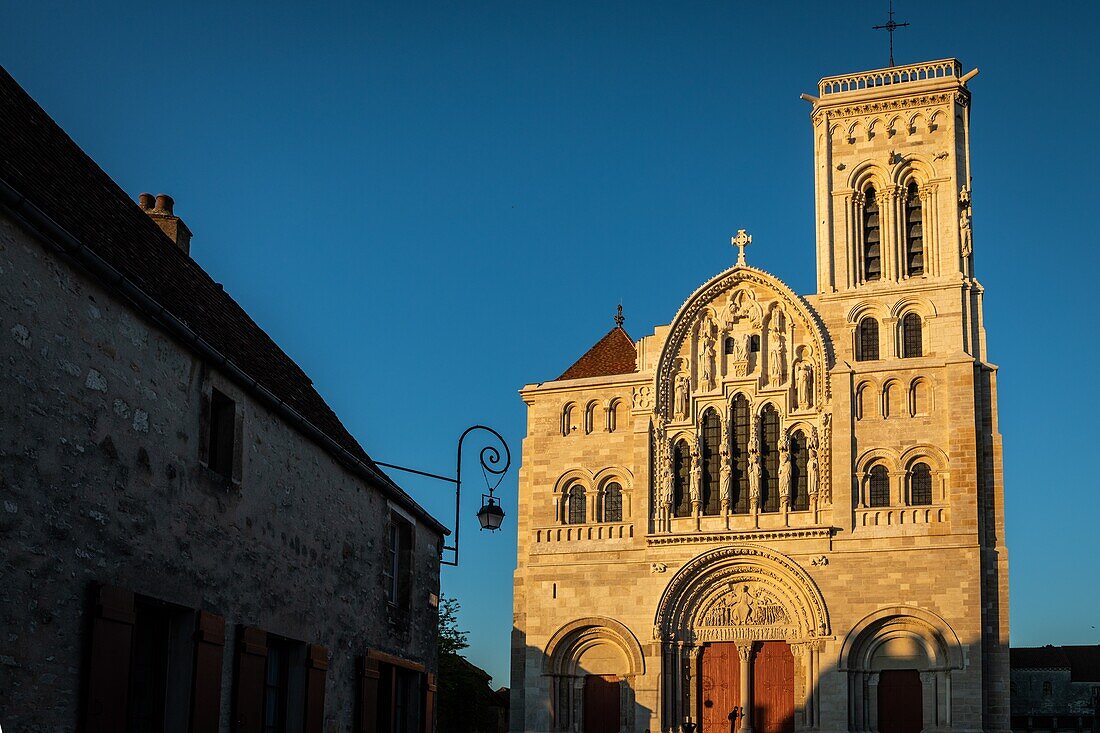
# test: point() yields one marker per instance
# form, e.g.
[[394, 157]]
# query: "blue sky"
[[429, 205]]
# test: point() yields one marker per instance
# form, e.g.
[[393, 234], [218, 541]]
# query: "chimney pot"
[[165, 203], [145, 200]]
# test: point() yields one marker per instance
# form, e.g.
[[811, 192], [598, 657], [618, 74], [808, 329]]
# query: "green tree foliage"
[[467, 703]]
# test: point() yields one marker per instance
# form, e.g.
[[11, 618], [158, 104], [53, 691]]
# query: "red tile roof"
[[613, 354], [43, 165]]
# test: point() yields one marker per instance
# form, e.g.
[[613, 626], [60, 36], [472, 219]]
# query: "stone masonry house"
[[1055, 688], [190, 540], [784, 512]]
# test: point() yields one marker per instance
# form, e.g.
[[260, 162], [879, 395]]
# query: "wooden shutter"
[[248, 690], [366, 717], [316, 669], [429, 703], [206, 686], [109, 660]]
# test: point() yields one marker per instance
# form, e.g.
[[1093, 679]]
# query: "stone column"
[[694, 675], [928, 699], [870, 718], [745, 653], [802, 704]]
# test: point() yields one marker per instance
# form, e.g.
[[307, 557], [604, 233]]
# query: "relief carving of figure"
[[811, 472], [756, 475], [726, 475], [777, 368], [740, 344], [785, 466], [682, 396], [804, 384], [667, 490], [709, 360], [696, 474], [741, 609], [966, 236]]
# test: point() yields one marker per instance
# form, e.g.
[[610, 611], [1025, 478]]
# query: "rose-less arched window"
[[739, 455], [613, 502], [920, 485], [914, 232], [800, 456], [867, 340], [681, 478], [912, 341], [878, 487], [872, 236], [577, 511], [712, 457], [769, 454]]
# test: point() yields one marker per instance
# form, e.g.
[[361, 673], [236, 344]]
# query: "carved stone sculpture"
[[709, 361], [756, 475], [726, 477], [696, 475], [785, 466], [777, 368], [811, 473], [682, 396], [804, 385]]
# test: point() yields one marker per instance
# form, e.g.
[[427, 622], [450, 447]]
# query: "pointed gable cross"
[[741, 241]]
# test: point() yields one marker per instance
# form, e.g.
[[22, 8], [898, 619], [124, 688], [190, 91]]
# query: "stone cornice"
[[766, 535]]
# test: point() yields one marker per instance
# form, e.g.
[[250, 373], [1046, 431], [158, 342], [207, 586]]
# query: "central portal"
[[770, 687]]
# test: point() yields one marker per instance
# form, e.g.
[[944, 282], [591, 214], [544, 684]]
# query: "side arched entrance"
[[593, 664], [740, 630]]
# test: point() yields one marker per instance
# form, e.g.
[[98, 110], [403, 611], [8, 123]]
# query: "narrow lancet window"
[[914, 232], [681, 478], [739, 455], [769, 455], [712, 457], [872, 237], [800, 455]]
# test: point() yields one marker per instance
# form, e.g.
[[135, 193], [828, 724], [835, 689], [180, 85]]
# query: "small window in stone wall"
[[222, 450], [397, 565]]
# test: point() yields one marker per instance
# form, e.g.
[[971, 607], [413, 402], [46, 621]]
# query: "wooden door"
[[601, 704], [773, 688], [720, 685], [900, 701]]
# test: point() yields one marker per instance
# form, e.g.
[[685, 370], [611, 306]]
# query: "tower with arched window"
[[783, 512]]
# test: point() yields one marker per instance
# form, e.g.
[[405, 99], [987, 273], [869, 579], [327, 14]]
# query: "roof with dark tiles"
[[1083, 662], [44, 165], [613, 354]]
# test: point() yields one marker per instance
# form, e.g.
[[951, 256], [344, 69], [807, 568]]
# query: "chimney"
[[160, 211]]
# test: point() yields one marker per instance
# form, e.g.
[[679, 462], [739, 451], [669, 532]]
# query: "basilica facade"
[[784, 512]]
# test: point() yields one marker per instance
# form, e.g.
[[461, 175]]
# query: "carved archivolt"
[[931, 633], [741, 592], [568, 643]]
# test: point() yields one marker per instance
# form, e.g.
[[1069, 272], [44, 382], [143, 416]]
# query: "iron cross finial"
[[741, 241], [890, 26], [619, 318]]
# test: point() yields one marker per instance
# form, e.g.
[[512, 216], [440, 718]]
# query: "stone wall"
[[100, 482]]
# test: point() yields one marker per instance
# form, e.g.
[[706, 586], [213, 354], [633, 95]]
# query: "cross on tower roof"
[[890, 26], [619, 318], [741, 241]]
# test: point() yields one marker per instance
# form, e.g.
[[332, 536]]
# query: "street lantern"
[[490, 515]]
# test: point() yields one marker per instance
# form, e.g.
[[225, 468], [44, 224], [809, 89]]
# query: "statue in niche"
[[726, 475], [811, 471], [804, 384], [785, 466], [966, 236], [742, 305], [696, 474], [756, 476], [667, 489], [776, 367], [682, 394], [709, 360]]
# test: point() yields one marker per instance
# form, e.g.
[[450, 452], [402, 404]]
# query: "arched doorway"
[[592, 664], [899, 662], [740, 628]]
